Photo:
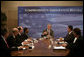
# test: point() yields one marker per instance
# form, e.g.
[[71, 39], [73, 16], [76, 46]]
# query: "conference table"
[[41, 49]]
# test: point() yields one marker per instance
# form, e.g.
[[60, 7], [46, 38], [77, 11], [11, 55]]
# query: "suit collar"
[[70, 32], [3, 37], [13, 36]]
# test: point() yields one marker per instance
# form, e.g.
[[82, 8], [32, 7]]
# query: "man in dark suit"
[[4, 47], [76, 47], [19, 36], [12, 39], [20, 28], [48, 31], [25, 34], [69, 37]]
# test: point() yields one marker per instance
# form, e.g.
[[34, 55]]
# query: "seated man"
[[76, 47], [22, 36], [19, 36], [25, 34], [20, 30], [4, 47], [69, 37], [48, 31], [12, 39]]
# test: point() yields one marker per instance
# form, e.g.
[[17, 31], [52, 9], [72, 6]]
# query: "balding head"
[[20, 27]]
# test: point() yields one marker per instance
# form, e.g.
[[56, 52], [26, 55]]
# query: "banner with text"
[[36, 19]]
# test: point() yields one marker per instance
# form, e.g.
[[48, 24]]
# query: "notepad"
[[59, 47]]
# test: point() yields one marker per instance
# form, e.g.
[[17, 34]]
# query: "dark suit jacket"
[[12, 41], [76, 49], [69, 37], [24, 36], [21, 38], [4, 50], [51, 32]]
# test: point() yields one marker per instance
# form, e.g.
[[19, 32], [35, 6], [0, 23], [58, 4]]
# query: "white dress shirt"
[[20, 34], [3, 38], [70, 32], [48, 31], [75, 40], [13, 35]]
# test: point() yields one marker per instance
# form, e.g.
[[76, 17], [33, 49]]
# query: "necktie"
[[48, 32], [6, 43]]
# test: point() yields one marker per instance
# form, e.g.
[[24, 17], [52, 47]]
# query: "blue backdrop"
[[36, 19]]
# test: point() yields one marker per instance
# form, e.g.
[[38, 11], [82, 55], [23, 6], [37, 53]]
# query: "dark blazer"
[[4, 50], [51, 32], [19, 39], [76, 49], [12, 41], [69, 37], [24, 36]]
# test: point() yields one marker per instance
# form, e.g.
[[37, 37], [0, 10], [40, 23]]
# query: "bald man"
[[12, 39]]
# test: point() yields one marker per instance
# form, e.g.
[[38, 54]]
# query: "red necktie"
[[6, 43]]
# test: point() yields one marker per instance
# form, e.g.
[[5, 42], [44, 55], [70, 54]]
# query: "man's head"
[[49, 26], [26, 30], [70, 28], [15, 31], [77, 32], [5, 33], [20, 29]]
